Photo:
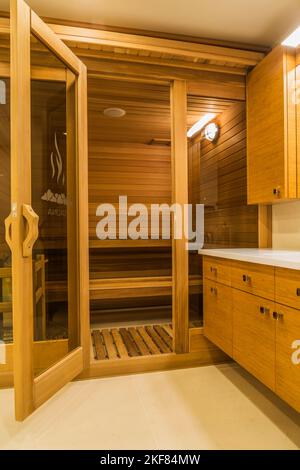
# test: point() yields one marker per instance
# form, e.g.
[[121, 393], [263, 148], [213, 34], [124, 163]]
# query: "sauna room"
[[91, 118], [130, 121], [129, 153]]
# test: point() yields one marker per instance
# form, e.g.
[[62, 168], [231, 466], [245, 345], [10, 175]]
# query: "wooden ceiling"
[[147, 109]]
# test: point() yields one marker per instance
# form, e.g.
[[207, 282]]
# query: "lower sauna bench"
[[134, 341]]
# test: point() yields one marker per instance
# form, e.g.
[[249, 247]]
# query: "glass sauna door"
[[47, 224]]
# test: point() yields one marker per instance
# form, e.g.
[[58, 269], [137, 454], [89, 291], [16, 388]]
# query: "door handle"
[[8, 224], [33, 229]]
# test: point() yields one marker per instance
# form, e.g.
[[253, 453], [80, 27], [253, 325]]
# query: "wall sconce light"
[[211, 132]]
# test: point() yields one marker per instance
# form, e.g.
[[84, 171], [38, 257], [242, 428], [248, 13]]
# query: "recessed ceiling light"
[[114, 112], [293, 40], [200, 124]]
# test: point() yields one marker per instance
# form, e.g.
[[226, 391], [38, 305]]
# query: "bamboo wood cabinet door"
[[272, 128], [218, 315], [260, 332], [217, 270], [288, 354], [287, 287], [254, 336], [253, 278]]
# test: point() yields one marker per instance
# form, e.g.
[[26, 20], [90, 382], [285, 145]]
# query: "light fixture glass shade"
[[200, 124], [211, 132]]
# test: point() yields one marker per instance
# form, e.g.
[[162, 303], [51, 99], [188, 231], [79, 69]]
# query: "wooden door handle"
[[33, 229], [8, 223]]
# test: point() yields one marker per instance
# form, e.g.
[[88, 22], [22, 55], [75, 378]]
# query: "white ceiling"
[[261, 22]]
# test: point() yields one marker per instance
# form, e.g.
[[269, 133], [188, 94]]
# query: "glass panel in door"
[[6, 330], [53, 199]]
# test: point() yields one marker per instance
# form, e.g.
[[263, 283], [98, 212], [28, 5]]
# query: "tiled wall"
[[286, 226]]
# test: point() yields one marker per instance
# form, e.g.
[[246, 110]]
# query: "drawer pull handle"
[[214, 290], [277, 316], [213, 270], [246, 278], [276, 191], [264, 310], [298, 292]]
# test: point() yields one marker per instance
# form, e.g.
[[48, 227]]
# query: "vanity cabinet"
[[218, 315], [272, 128], [288, 354], [254, 335], [256, 321]]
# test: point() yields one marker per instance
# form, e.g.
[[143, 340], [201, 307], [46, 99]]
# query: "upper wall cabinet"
[[272, 128]]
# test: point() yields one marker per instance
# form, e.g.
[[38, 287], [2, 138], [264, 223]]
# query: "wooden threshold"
[[202, 353]]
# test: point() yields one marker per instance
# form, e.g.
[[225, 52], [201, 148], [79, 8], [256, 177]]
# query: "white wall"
[[286, 226]]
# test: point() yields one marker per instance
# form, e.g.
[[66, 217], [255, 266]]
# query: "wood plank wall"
[[140, 171], [121, 162], [218, 179], [221, 183]]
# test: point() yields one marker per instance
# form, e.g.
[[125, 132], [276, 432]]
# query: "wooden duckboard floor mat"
[[123, 343]]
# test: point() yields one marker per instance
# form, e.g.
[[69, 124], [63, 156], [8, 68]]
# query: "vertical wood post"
[[180, 292], [83, 218]]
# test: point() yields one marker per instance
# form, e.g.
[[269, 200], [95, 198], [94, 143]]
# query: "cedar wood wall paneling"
[[143, 173], [221, 183], [218, 179]]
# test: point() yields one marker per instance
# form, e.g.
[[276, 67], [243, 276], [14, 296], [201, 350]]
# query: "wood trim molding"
[[42, 31], [37, 73], [131, 41], [204, 354], [20, 194], [83, 209], [238, 59]]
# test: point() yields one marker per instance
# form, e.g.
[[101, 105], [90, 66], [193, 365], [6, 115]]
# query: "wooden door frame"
[[180, 264], [31, 392], [179, 181]]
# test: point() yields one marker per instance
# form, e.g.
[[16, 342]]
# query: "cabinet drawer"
[[256, 279], [288, 355], [254, 336], [287, 287], [218, 315], [217, 269]]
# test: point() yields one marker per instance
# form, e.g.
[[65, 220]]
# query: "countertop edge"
[[248, 258]]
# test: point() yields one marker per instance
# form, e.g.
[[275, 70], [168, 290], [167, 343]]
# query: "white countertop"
[[281, 258]]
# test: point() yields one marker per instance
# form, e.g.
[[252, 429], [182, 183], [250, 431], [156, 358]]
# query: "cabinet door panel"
[[288, 355], [217, 269], [253, 278], [287, 287], [218, 315], [271, 117], [254, 336]]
